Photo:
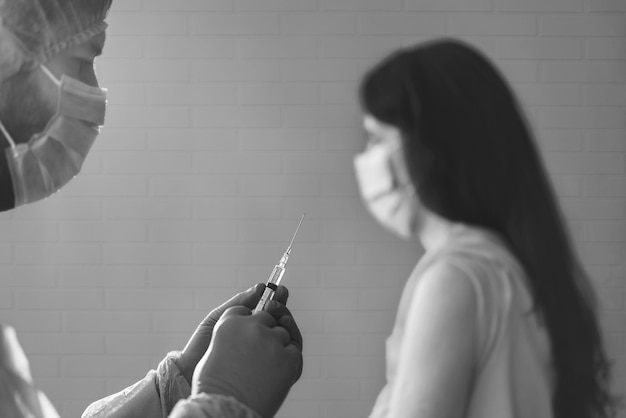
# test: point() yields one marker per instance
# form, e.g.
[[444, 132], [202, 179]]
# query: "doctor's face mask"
[[385, 187], [51, 158]]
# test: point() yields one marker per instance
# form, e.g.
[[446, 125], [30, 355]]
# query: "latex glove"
[[253, 358], [201, 338]]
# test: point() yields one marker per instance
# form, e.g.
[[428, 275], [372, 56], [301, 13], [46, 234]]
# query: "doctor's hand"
[[253, 358], [201, 338]]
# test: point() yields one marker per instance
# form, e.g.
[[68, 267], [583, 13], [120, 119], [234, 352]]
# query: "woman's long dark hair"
[[472, 159]]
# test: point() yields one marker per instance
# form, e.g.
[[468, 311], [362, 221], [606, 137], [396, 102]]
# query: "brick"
[[582, 117], [339, 94], [142, 24], [520, 71], [327, 300], [326, 116], [278, 185], [362, 5], [189, 5], [539, 6], [237, 208], [594, 209], [192, 231], [104, 366], [492, 24], [122, 139], [600, 253], [582, 25], [61, 344], [57, 254], [44, 366], [373, 345], [604, 186], [149, 299], [235, 24], [109, 185], [608, 141], [132, 117], [299, 409], [261, 47], [388, 253], [605, 48], [401, 23], [278, 231], [192, 140], [325, 345], [137, 254], [157, 345], [567, 185], [232, 116], [198, 186], [136, 70], [321, 208], [354, 231], [102, 232], [25, 322], [606, 6], [278, 94], [550, 95], [126, 94], [74, 388], [122, 47], [564, 140], [220, 70], [356, 323], [610, 232], [146, 209], [449, 5], [328, 389], [343, 408], [61, 208], [338, 185], [147, 162], [280, 139], [102, 276], [604, 95], [385, 300], [322, 164], [104, 322], [308, 254], [31, 231], [276, 5], [584, 71], [318, 24], [358, 47], [351, 367], [192, 277], [59, 299], [235, 163], [328, 70], [27, 276], [184, 94], [539, 48]]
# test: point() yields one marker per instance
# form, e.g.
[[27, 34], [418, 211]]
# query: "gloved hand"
[[201, 338], [253, 358]]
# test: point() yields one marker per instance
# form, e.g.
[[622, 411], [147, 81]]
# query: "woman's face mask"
[[385, 185], [51, 158]]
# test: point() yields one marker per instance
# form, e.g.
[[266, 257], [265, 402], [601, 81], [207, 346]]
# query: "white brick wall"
[[230, 118]]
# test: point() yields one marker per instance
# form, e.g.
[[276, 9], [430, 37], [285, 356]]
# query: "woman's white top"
[[513, 376]]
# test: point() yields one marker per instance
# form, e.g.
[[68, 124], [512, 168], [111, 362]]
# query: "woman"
[[498, 318]]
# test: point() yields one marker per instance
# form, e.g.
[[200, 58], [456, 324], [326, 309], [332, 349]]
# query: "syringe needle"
[[296, 233]]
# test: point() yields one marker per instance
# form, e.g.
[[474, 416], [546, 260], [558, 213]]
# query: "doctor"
[[51, 110]]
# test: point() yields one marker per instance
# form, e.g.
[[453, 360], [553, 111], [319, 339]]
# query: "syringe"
[[277, 274]]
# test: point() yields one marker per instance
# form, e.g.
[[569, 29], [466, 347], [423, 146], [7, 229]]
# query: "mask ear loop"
[[6, 134], [50, 75]]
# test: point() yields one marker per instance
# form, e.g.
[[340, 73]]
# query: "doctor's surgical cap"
[[33, 31]]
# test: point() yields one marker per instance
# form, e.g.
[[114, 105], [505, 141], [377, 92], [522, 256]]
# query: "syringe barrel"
[[268, 293]]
